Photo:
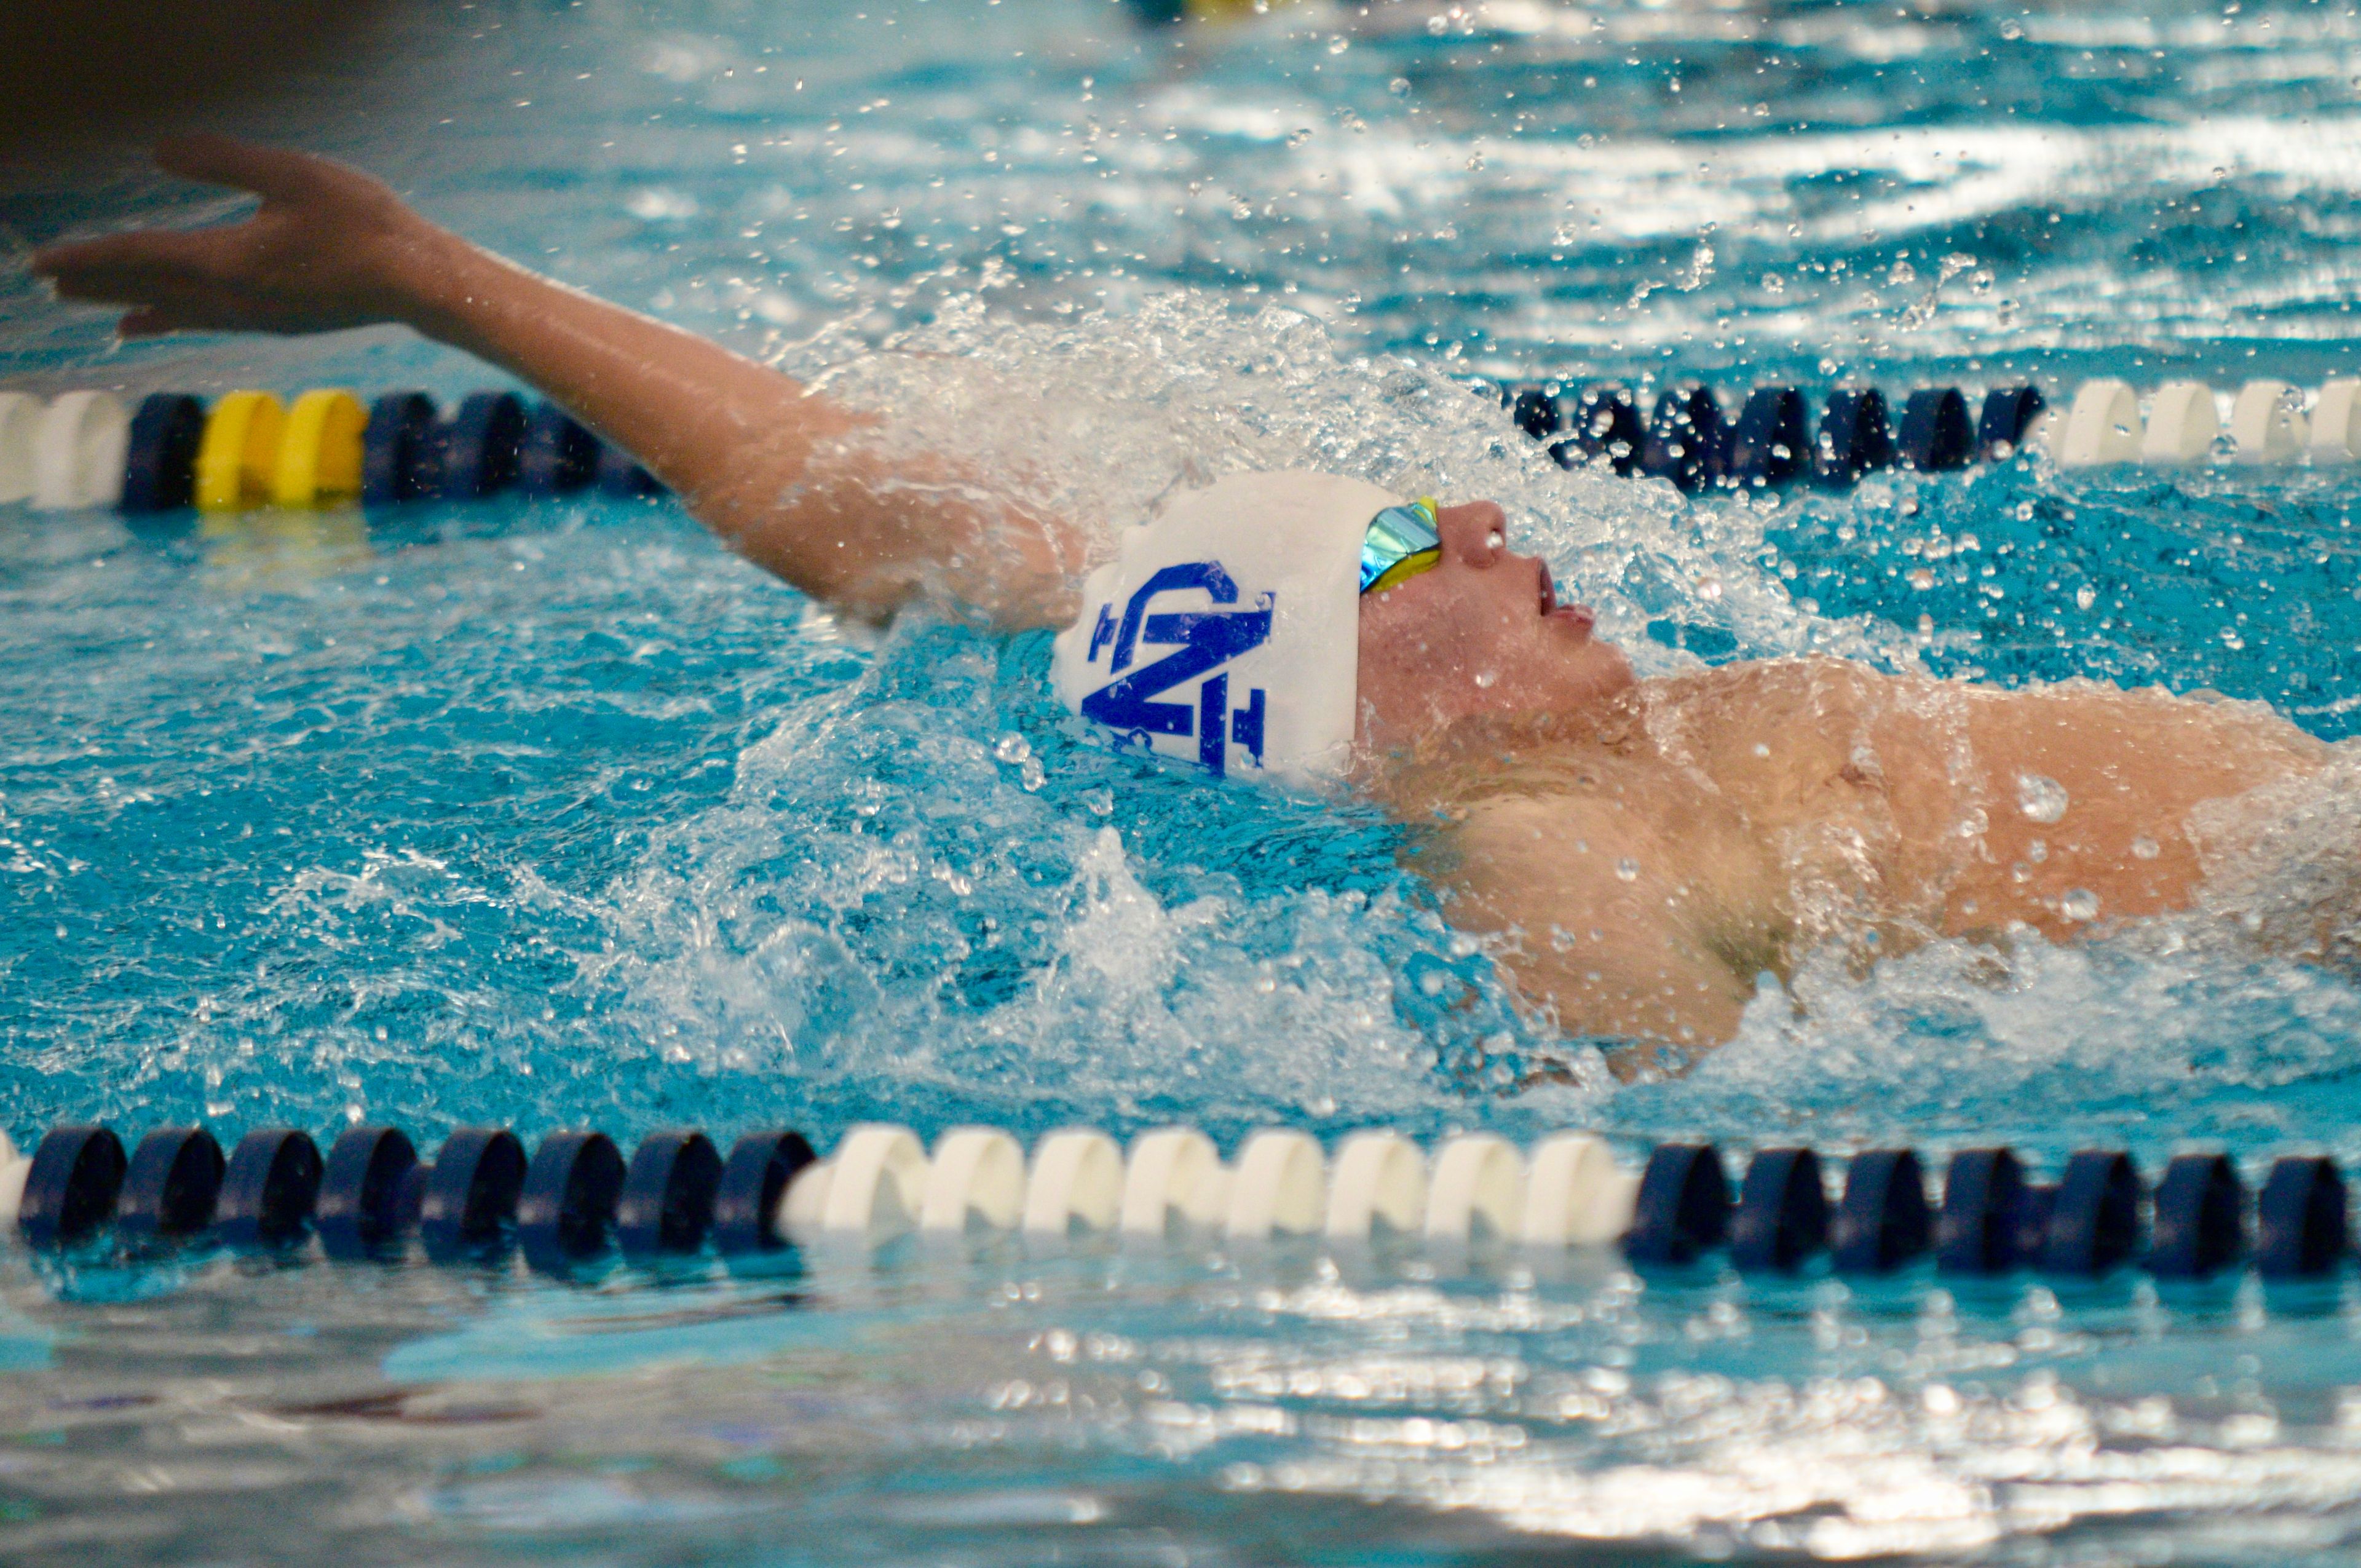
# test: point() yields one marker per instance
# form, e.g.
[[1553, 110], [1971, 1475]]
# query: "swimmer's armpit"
[[793, 479], [1646, 958]]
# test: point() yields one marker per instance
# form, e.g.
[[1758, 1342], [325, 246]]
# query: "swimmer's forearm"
[[772, 466], [731, 436]]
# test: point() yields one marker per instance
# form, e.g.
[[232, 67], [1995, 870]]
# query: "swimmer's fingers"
[[175, 282], [155, 321], [129, 268], [270, 172]]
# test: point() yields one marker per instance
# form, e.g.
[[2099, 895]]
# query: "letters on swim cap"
[[1226, 632]]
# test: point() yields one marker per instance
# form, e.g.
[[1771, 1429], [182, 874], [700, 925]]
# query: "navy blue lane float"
[[159, 466], [750, 1185], [667, 1201], [576, 1197], [361, 1190], [172, 1185], [1689, 439]]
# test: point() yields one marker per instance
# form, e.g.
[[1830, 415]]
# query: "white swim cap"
[[1256, 585]]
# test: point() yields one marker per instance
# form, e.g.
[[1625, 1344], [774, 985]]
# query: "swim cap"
[[1227, 630]]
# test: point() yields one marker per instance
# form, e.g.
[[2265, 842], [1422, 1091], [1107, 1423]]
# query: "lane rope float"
[[239, 452], [20, 416], [319, 458], [159, 462], [78, 448]]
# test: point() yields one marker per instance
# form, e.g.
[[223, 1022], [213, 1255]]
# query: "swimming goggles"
[[1402, 543]]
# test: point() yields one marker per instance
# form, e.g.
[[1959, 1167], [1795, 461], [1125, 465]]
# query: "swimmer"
[[1648, 849]]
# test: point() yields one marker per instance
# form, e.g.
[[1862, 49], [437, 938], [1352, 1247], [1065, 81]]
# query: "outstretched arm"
[[797, 483]]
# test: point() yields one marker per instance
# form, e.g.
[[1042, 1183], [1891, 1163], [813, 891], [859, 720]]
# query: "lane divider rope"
[[83, 449], [1690, 438], [575, 1196]]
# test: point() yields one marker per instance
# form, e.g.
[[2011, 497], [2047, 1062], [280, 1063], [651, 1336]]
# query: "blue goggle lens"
[[1402, 543]]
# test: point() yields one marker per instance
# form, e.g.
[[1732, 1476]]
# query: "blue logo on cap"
[[1207, 639]]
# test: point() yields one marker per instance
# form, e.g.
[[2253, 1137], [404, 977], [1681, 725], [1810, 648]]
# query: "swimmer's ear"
[[270, 173]]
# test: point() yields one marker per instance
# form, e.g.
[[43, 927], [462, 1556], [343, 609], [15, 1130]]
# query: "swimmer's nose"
[[1475, 534]]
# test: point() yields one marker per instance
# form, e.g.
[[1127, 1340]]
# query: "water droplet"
[[2080, 904], [2145, 847], [1921, 578], [1760, 750], [2085, 596], [2042, 799], [1626, 870], [1485, 678], [2036, 852], [2020, 872]]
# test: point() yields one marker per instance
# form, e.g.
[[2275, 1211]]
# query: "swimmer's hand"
[[331, 247], [794, 481]]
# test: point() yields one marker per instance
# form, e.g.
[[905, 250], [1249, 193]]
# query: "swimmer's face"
[[1483, 633]]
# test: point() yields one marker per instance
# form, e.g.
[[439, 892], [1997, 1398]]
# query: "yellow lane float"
[[320, 450], [237, 460]]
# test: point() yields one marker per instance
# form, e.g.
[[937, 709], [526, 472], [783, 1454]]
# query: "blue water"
[[557, 815]]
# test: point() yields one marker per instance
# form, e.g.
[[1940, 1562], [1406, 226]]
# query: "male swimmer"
[[1650, 849]]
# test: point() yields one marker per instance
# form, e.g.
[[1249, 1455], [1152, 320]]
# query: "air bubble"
[[2145, 847], [1626, 870], [2041, 797], [1012, 748], [2080, 904]]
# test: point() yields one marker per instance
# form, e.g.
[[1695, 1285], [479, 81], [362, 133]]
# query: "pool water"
[[557, 815]]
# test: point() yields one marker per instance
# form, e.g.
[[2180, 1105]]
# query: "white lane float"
[[20, 416], [976, 1178], [1576, 1195], [2102, 428], [1378, 1187], [1278, 1189], [2336, 423], [2267, 424], [1175, 1177], [1076, 1184], [2182, 424], [13, 1168], [874, 1185], [79, 446], [1477, 1190]]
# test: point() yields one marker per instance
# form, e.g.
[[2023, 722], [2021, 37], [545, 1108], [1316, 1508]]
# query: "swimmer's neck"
[[1409, 771]]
